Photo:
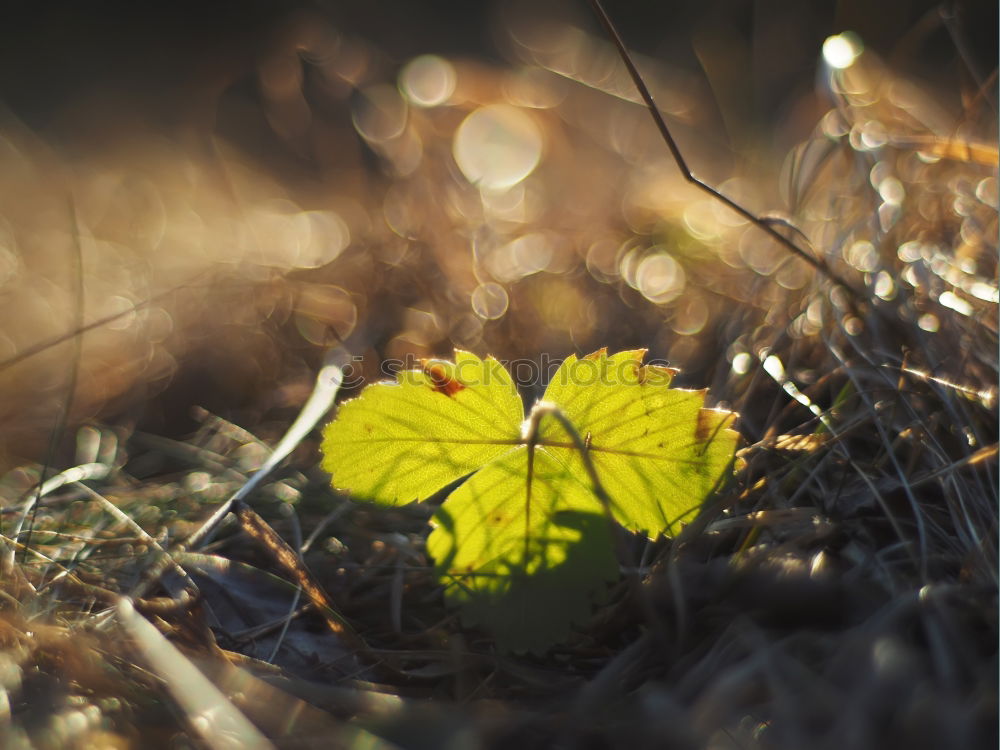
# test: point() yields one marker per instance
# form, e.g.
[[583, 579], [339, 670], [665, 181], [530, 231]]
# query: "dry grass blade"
[[328, 382], [210, 714], [286, 559]]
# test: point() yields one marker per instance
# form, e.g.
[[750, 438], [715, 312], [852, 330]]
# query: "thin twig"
[[763, 224], [79, 330]]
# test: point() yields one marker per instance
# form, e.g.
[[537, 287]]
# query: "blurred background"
[[233, 188], [199, 200]]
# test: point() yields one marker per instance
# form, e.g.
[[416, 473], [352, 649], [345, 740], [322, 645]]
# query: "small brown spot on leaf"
[[441, 380]]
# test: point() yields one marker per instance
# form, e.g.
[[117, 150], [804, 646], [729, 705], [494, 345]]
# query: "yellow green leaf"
[[524, 549], [524, 545], [403, 441], [657, 450]]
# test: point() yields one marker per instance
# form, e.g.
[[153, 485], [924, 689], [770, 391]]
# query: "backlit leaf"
[[524, 556], [403, 441], [524, 545], [658, 452]]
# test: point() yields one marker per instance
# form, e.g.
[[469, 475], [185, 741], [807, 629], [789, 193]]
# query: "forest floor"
[[839, 591]]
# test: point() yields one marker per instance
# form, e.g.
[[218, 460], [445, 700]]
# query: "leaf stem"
[[530, 436], [529, 433]]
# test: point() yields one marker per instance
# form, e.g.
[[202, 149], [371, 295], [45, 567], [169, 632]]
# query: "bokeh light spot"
[[119, 305], [892, 191], [774, 367], [320, 236], [521, 257], [910, 252], [741, 363], [873, 135], [929, 322], [660, 278], [885, 288], [986, 191], [325, 314], [956, 303], [841, 50], [863, 256], [379, 113], [691, 316], [428, 81], [984, 291], [497, 146], [489, 301]]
